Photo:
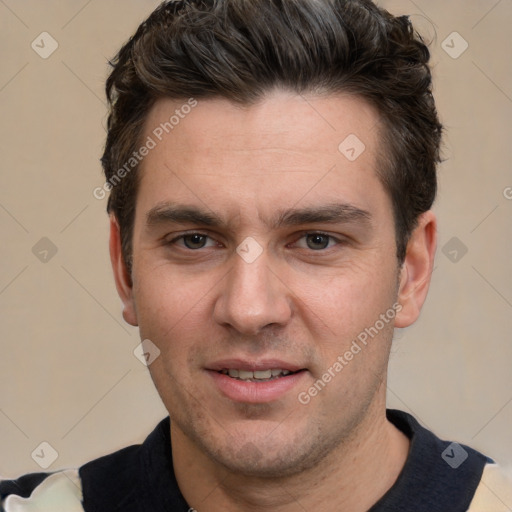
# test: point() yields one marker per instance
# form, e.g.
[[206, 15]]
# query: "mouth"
[[255, 382], [257, 375]]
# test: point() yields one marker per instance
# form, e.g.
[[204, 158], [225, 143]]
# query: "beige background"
[[68, 375]]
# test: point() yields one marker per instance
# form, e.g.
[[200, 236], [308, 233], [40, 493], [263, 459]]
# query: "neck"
[[352, 478]]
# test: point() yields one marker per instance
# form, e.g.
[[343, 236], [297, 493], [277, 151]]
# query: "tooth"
[[242, 374], [276, 372], [265, 374], [232, 372], [286, 372]]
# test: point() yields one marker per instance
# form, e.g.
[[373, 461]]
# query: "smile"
[[256, 376]]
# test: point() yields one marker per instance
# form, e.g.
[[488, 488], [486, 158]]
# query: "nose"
[[253, 297]]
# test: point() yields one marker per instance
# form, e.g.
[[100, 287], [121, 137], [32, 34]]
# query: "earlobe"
[[417, 269], [121, 275]]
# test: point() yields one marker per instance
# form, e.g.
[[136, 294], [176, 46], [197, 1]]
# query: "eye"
[[316, 241], [193, 241]]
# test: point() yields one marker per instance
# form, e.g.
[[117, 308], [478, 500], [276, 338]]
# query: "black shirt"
[[438, 476]]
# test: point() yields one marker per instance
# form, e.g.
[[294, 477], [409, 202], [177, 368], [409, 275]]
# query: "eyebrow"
[[167, 212], [336, 213], [330, 214]]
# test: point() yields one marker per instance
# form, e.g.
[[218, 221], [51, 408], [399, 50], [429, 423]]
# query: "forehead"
[[283, 150], [280, 120]]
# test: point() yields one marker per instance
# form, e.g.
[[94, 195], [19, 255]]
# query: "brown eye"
[[194, 241]]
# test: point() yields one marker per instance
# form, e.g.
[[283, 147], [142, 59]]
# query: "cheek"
[[341, 304], [170, 307]]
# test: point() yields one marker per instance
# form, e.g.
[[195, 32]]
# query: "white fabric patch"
[[60, 492], [494, 494]]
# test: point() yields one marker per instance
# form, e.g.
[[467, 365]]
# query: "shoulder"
[[494, 491], [135, 478], [42, 492], [108, 479], [438, 475]]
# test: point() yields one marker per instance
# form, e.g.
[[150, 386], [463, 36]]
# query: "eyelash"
[[181, 237]]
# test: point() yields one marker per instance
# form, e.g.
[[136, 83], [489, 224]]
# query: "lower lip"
[[255, 392]]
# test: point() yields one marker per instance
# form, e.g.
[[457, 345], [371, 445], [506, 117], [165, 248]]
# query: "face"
[[260, 253]]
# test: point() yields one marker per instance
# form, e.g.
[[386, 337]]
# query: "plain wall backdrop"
[[68, 375]]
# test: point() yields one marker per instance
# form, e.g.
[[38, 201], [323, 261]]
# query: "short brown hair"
[[241, 49]]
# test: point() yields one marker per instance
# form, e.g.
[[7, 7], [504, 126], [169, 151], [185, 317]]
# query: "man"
[[271, 168]]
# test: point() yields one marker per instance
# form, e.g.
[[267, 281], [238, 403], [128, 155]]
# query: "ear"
[[417, 269], [121, 275]]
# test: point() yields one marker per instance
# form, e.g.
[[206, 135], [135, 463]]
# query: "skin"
[[303, 300]]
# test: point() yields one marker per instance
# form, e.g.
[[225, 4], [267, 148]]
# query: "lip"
[[252, 366], [255, 392]]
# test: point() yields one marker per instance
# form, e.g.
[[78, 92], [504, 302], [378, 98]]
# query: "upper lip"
[[251, 366]]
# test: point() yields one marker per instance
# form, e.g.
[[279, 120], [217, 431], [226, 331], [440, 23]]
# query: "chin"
[[262, 466], [263, 458]]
